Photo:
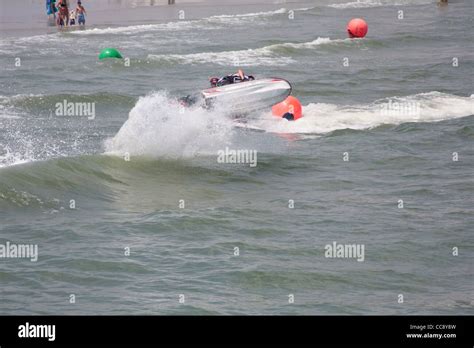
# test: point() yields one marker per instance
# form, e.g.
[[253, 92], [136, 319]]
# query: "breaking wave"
[[272, 55], [377, 3]]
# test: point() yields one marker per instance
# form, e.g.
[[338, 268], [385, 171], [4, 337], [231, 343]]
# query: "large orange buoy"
[[357, 27], [290, 108]]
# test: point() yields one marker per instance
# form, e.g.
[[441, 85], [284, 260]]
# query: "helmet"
[[213, 81]]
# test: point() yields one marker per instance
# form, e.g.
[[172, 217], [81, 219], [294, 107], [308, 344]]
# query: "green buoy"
[[109, 53]]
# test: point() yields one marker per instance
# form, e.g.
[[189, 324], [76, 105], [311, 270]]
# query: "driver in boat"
[[238, 77]]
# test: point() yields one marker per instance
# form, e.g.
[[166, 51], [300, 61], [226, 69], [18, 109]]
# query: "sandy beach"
[[23, 18]]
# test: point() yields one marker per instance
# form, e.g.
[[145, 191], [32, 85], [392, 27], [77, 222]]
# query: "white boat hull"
[[250, 96]]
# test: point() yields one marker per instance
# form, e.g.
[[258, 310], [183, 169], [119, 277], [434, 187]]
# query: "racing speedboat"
[[244, 97], [248, 96]]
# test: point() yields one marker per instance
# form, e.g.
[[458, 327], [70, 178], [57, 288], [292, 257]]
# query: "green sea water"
[[130, 208]]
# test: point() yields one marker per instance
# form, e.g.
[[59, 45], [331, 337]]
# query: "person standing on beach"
[[63, 13], [81, 14], [51, 10]]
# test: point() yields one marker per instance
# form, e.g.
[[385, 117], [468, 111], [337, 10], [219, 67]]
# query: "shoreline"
[[18, 20]]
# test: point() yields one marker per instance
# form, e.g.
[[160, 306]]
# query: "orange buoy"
[[290, 109], [357, 27]]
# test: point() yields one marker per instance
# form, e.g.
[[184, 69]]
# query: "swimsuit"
[[63, 10]]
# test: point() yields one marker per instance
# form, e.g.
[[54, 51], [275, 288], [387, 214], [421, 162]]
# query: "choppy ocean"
[[130, 209]]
